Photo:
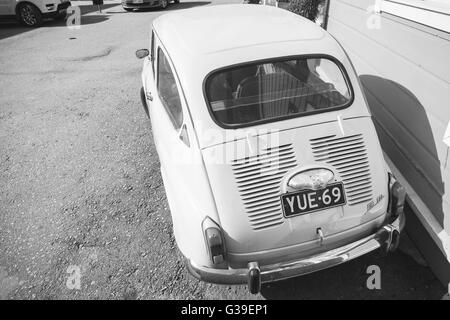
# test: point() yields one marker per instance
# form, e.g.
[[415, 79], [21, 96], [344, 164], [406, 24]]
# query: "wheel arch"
[[21, 3]]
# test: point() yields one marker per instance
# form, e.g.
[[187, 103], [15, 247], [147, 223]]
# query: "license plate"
[[138, 1], [305, 201]]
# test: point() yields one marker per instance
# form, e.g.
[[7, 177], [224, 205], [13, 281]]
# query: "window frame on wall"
[[431, 13]]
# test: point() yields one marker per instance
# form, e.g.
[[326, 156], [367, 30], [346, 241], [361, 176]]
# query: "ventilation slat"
[[342, 155], [357, 193], [260, 191], [258, 158], [368, 197], [349, 156], [258, 180], [321, 138], [268, 225], [271, 186], [353, 167], [259, 166], [258, 200], [359, 202], [355, 175], [338, 149], [266, 221], [269, 169], [334, 145], [254, 188], [356, 186], [347, 161], [261, 204], [352, 181], [263, 211], [330, 140], [274, 215], [244, 163], [254, 196]]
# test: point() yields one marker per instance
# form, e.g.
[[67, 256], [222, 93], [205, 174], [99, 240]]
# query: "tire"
[[29, 15], [163, 4], [128, 9]]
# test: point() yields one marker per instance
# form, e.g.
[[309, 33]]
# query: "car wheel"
[[128, 9], [164, 3], [29, 15]]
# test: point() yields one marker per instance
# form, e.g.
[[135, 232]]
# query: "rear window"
[[270, 91]]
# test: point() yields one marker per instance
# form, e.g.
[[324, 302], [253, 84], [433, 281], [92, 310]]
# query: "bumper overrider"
[[386, 238]]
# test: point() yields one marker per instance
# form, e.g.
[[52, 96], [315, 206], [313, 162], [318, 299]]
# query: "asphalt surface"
[[83, 212]]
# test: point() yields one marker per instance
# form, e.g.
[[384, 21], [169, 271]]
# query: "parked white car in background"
[[130, 5], [32, 13], [269, 157]]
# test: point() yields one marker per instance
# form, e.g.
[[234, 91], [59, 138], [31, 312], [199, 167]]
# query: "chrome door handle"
[[149, 96]]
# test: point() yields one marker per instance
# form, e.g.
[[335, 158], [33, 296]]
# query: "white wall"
[[405, 71]]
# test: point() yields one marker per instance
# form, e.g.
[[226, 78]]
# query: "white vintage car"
[[269, 156]]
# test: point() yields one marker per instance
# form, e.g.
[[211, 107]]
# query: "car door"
[[172, 130], [185, 181]]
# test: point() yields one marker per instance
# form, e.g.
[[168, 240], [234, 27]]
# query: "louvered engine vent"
[[258, 179], [349, 156]]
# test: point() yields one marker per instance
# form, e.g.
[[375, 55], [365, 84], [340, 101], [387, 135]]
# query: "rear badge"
[[373, 203]]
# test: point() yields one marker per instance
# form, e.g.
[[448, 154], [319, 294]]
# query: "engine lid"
[[248, 178]]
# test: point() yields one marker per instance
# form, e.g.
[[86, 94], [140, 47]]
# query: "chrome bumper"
[[386, 238]]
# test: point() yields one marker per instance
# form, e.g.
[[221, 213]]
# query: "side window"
[[152, 52], [168, 91]]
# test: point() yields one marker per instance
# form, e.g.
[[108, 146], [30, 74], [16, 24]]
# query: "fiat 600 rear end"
[[269, 157]]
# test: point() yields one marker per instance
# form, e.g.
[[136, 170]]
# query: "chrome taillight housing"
[[397, 196], [214, 242]]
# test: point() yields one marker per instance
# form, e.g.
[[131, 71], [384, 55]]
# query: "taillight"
[[214, 242]]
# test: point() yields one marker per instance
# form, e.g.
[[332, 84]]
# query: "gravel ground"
[[80, 187]]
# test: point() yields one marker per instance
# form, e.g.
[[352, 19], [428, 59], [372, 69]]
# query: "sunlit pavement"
[[83, 212]]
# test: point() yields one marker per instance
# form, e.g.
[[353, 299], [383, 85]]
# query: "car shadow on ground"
[[10, 26], [401, 278]]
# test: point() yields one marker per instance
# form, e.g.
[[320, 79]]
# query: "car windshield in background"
[[269, 91]]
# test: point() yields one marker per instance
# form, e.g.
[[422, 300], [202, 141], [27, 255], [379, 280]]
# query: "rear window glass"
[[269, 91]]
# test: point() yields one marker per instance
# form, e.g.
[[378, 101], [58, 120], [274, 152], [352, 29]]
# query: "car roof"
[[202, 40], [227, 27]]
